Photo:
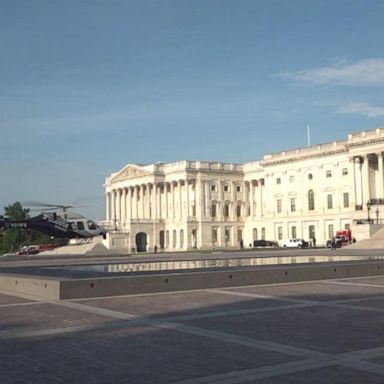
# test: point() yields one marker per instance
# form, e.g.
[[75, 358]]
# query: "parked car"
[[264, 243], [295, 243]]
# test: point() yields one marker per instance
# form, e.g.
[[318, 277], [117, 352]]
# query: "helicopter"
[[61, 225]]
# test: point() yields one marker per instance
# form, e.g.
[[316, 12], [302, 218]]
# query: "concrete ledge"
[[60, 289], [165, 282], [30, 286]]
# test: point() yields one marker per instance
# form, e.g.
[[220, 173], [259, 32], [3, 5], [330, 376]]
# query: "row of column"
[[172, 200], [369, 182], [256, 198], [149, 201]]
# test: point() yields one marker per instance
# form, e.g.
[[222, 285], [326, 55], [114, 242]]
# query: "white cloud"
[[366, 72], [361, 109]]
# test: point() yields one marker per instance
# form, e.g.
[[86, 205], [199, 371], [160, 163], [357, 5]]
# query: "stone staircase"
[[95, 246], [375, 242]]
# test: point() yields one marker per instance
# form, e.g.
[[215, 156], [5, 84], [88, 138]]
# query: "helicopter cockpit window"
[[80, 225], [91, 224]]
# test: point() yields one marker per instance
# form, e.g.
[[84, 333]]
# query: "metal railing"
[[368, 221], [376, 201]]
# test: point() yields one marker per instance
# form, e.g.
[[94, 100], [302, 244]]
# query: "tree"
[[12, 239]]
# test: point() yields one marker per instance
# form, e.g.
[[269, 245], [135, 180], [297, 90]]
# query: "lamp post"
[[377, 215], [368, 209]]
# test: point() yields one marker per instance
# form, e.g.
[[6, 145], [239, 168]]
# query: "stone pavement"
[[317, 332]]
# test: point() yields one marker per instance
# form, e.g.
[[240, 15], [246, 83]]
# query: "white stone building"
[[303, 193]]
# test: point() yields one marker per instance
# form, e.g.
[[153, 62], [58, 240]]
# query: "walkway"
[[316, 332]]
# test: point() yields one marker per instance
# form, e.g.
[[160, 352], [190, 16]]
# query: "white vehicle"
[[294, 243]]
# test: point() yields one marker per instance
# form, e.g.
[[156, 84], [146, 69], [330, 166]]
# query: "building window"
[[213, 210], [311, 231], [226, 210], [328, 174], [278, 205], [293, 204], [226, 188], [238, 211], [346, 199], [213, 187], [214, 235], [238, 188], [311, 200], [310, 176], [280, 233], [291, 179], [227, 236], [329, 202], [174, 235], [278, 180], [263, 233], [293, 232], [347, 226], [331, 232], [344, 171], [254, 233], [239, 235]]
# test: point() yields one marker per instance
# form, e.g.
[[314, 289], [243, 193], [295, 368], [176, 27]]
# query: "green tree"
[[12, 239]]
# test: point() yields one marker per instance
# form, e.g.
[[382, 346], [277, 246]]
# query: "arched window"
[[174, 238], [181, 239], [311, 200]]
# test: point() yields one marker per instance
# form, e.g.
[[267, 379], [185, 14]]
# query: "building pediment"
[[130, 172]]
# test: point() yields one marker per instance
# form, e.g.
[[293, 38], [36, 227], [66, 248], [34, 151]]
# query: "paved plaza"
[[329, 331]]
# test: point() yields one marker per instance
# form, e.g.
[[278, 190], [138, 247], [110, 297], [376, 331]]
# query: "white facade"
[[304, 193]]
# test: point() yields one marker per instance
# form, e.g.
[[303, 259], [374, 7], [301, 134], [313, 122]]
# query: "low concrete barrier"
[[51, 288]]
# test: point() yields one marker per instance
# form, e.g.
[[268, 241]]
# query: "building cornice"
[[376, 140], [293, 159]]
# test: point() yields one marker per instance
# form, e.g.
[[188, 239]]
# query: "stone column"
[[158, 201], [207, 200], [219, 210], [147, 208], [124, 206], [199, 198], [113, 206], [166, 201], [245, 200], [252, 198], [118, 205], [107, 206], [380, 177], [187, 199], [129, 203], [259, 204], [365, 175], [135, 202], [180, 201], [356, 200], [233, 204], [173, 203]]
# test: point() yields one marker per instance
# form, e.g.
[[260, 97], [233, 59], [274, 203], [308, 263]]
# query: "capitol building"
[[304, 193]]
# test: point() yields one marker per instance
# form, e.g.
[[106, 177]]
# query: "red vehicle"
[[343, 237]]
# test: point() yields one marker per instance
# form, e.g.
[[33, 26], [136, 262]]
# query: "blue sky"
[[88, 86]]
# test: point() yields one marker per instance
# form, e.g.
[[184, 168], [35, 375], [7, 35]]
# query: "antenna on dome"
[[308, 135]]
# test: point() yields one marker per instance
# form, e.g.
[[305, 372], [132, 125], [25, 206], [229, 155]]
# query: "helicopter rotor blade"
[[51, 206]]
